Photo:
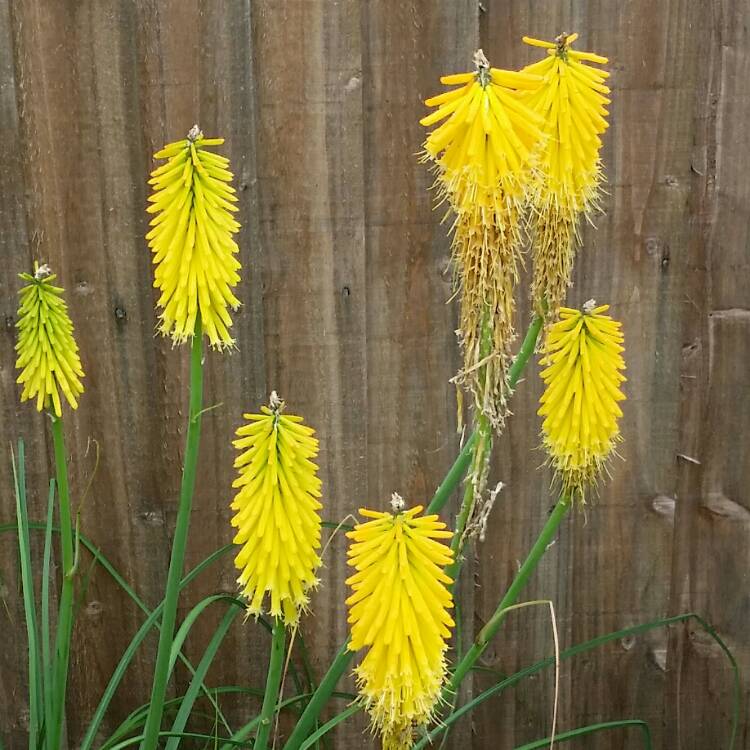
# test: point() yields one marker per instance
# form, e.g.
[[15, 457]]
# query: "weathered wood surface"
[[344, 313]]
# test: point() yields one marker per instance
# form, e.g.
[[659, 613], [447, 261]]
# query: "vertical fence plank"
[[709, 572], [311, 212], [17, 240]]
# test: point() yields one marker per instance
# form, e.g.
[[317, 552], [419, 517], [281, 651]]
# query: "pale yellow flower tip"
[[191, 239], [582, 378], [487, 137], [399, 612], [47, 351], [572, 101], [276, 515]]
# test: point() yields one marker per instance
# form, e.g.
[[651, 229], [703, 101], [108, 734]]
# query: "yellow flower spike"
[[191, 239], [276, 515], [572, 101], [399, 611], [582, 377], [484, 154], [47, 351]]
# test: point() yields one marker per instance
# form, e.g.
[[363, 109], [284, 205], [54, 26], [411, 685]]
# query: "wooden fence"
[[344, 313]]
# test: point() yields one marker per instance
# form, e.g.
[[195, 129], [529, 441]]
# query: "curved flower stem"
[[480, 455], [525, 352], [166, 634], [65, 615], [488, 632], [273, 680], [481, 446], [463, 461]]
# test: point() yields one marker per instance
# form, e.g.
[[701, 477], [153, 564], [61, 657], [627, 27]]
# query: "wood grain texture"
[[344, 314]]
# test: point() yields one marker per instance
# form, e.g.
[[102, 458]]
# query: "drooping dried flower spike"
[[582, 377], [47, 351], [483, 154], [572, 100], [399, 610], [277, 508], [191, 239]]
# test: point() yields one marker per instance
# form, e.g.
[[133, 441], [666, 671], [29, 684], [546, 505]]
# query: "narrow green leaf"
[[605, 726], [36, 690], [248, 729], [137, 717], [190, 620], [588, 646], [182, 735], [47, 666], [186, 706], [329, 725]]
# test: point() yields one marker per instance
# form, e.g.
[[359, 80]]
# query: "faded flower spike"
[[582, 377], [484, 154], [572, 100], [399, 610], [191, 239], [47, 351], [276, 508]]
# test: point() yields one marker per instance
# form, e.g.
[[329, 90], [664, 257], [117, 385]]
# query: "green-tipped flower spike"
[[47, 352], [191, 238]]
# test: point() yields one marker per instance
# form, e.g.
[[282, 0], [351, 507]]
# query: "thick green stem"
[[481, 447], [273, 680], [488, 632], [65, 615], [320, 697], [524, 353], [463, 461], [166, 634], [454, 476]]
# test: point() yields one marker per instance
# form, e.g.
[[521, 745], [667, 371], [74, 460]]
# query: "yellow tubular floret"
[[277, 504], [484, 148], [47, 351], [399, 612], [582, 375], [571, 101], [191, 239]]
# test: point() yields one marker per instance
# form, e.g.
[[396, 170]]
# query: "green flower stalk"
[[49, 363], [195, 270]]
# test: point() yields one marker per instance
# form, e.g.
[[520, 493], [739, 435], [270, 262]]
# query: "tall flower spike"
[[47, 351], [399, 610], [483, 155], [191, 239], [582, 377], [277, 508], [572, 100]]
